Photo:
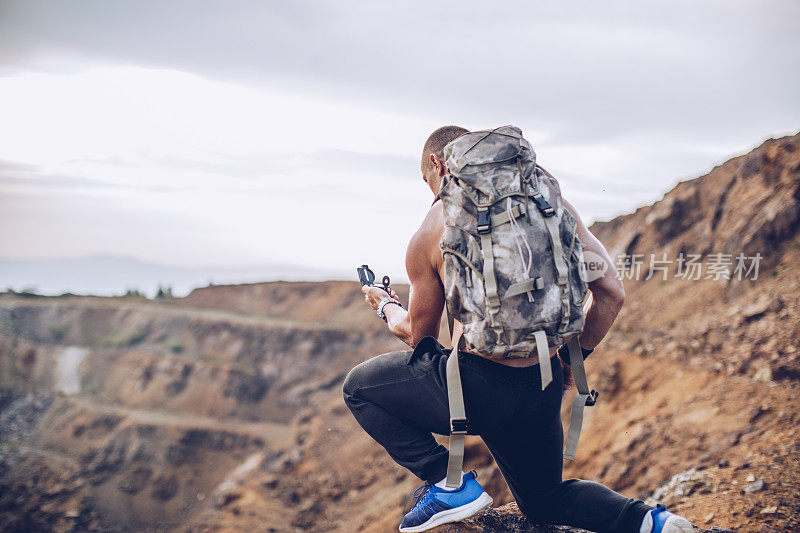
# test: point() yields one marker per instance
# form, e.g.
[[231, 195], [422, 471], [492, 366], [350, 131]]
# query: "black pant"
[[400, 398]]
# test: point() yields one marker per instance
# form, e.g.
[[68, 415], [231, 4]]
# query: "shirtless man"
[[400, 398]]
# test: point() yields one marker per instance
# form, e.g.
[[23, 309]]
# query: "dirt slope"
[[222, 411], [703, 373]]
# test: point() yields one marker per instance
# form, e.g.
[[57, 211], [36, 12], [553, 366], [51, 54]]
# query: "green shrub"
[[125, 340], [136, 336], [57, 331], [176, 347]]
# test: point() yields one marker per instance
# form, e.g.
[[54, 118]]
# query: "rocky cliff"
[[223, 410]]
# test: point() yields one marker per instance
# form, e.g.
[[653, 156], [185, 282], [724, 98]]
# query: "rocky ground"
[[222, 411], [508, 518]]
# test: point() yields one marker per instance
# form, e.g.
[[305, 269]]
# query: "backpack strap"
[[450, 321], [459, 424], [543, 350], [489, 278], [584, 398], [503, 218], [561, 267], [458, 417], [530, 284], [548, 212]]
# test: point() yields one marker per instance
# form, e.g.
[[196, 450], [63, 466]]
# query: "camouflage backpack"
[[513, 266]]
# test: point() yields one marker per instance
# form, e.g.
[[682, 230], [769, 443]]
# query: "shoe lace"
[[420, 493]]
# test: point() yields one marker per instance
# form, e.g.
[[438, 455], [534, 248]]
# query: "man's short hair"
[[438, 140]]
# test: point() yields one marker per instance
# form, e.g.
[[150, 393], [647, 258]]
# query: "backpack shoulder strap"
[[459, 424], [584, 398], [458, 417]]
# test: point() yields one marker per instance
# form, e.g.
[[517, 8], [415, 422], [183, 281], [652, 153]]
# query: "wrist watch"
[[384, 303]]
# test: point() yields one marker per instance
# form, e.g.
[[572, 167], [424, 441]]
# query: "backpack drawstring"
[[519, 236]]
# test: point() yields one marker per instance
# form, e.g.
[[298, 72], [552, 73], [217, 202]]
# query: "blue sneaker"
[[659, 520], [435, 506]]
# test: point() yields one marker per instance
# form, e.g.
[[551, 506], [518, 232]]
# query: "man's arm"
[[426, 295], [608, 295]]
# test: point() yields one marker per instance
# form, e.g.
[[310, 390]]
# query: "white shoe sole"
[[677, 524], [453, 515]]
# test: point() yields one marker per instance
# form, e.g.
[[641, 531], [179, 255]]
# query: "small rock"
[[763, 374], [770, 510], [682, 484], [755, 486], [756, 310], [750, 477], [758, 412], [708, 518], [724, 463], [225, 498]]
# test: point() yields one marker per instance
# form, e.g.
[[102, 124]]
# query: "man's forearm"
[[399, 324], [600, 317]]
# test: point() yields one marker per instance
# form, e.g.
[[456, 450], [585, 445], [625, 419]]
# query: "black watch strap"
[[563, 353]]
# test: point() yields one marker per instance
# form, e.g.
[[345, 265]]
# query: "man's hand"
[[373, 295], [396, 315]]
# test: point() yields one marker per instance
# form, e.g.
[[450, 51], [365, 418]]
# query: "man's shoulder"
[[424, 245], [432, 225]]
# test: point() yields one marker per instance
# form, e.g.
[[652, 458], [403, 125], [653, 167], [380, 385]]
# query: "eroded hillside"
[[223, 411], [127, 413]]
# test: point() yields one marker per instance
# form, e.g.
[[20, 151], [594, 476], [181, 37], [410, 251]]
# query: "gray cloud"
[[25, 175], [259, 171], [17, 167], [319, 161], [583, 72]]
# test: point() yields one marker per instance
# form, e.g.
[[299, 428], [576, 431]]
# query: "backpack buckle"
[[592, 399], [544, 206], [484, 221], [458, 426]]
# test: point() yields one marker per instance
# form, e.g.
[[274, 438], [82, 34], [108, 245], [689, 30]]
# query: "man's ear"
[[438, 165]]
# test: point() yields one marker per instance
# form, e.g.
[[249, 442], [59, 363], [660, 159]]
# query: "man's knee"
[[352, 382], [372, 372]]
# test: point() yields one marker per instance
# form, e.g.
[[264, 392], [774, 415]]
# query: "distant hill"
[[113, 275]]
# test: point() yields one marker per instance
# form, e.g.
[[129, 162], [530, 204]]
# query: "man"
[[400, 398]]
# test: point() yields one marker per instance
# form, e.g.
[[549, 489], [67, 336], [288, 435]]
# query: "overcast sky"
[[239, 133]]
